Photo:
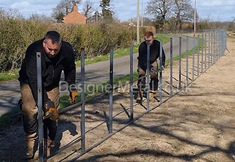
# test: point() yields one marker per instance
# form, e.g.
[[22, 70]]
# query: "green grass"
[[6, 76]]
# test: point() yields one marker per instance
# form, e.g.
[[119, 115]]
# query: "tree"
[[183, 12], [161, 10], [107, 13], [63, 8], [88, 9]]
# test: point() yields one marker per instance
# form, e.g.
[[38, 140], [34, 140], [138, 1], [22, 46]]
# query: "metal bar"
[[148, 75], [195, 48], [83, 100], [202, 51], [160, 74], [131, 82], [171, 66], [180, 55], [206, 50], [42, 157], [198, 53], [187, 53], [111, 93]]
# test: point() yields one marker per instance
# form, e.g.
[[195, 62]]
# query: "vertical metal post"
[[202, 51], [148, 75], [209, 49], [180, 55], [83, 100], [171, 66], [198, 53], [187, 53], [160, 74], [40, 108], [111, 93], [213, 47], [195, 48], [131, 83], [206, 50]]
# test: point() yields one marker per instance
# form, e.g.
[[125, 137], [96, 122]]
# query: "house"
[[75, 17]]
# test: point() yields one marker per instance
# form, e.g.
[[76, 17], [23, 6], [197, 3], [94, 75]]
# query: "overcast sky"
[[222, 10]]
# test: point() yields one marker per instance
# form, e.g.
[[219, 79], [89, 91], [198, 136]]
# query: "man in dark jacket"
[[142, 62], [56, 55]]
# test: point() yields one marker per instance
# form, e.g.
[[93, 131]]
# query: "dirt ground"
[[196, 125]]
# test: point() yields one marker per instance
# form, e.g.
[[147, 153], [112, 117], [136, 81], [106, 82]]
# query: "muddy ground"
[[196, 125]]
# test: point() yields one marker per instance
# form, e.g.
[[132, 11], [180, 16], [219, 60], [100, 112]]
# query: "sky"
[[214, 10]]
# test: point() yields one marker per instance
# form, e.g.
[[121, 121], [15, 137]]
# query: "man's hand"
[[74, 97], [51, 111]]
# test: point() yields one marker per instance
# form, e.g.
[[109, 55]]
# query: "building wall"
[[75, 17]]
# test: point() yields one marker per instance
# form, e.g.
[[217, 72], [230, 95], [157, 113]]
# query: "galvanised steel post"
[[42, 157], [206, 50], [198, 53], [160, 74], [202, 51], [180, 55], [111, 93], [193, 64], [148, 76], [171, 66], [83, 100], [187, 53], [131, 82]]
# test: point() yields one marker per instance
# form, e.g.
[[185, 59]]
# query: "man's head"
[[52, 43], [148, 37]]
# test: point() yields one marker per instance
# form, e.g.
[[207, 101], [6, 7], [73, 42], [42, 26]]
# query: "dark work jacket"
[[51, 68], [154, 54]]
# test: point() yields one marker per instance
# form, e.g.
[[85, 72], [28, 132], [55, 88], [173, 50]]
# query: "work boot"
[[50, 144], [31, 145]]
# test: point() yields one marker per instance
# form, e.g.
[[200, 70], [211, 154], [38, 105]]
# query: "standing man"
[[56, 55], [142, 63]]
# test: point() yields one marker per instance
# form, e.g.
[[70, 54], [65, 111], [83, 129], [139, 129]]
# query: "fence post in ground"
[[171, 66], [41, 147], [83, 100], [203, 48], [180, 56], [193, 64], [198, 53], [148, 76], [160, 74], [187, 53], [111, 92], [131, 82], [206, 50]]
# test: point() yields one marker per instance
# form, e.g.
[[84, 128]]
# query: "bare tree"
[[183, 12], [63, 8], [88, 9], [161, 10]]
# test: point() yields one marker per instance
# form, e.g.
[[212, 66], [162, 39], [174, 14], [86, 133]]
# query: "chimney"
[[75, 7]]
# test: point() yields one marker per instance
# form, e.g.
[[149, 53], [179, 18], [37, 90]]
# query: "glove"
[[74, 97], [51, 111]]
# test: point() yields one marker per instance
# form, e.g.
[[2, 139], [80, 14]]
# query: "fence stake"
[[180, 55], [42, 157], [160, 72], [111, 93], [171, 66], [83, 100], [131, 82]]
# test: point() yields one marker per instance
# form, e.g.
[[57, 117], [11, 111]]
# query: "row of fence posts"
[[210, 45]]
